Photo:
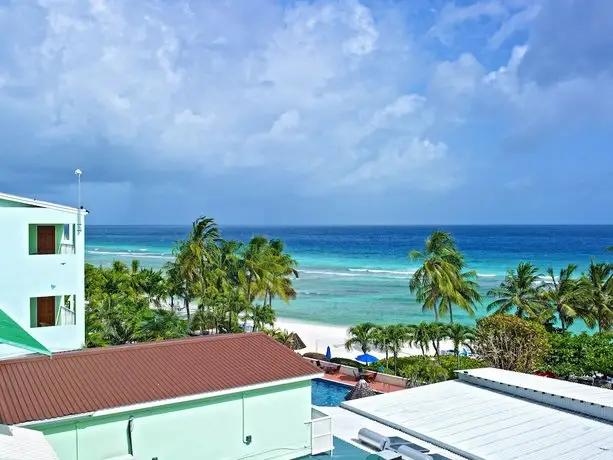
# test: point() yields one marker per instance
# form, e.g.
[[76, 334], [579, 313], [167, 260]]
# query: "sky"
[[313, 112]]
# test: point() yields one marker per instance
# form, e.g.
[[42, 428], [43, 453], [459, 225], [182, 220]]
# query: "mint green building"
[[240, 396], [42, 273]]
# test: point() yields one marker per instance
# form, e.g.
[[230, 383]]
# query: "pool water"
[[342, 451], [326, 393]]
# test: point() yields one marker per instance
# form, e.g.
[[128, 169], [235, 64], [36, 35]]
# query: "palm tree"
[[279, 271], [518, 291], [201, 240], [363, 335], [282, 336], [600, 295], [465, 296], [202, 321], [460, 335], [162, 324], [253, 264], [187, 266], [261, 315], [381, 340], [397, 336], [438, 275], [565, 295], [420, 334], [437, 332]]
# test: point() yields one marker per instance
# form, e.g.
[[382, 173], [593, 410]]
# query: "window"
[[53, 311]]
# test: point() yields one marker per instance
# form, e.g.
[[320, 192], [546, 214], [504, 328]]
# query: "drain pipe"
[[130, 428], [246, 438]]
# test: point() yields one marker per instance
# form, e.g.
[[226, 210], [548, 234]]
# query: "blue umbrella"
[[366, 358], [328, 353]]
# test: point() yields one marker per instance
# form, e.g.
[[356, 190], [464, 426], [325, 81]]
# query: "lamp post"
[[78, 173]]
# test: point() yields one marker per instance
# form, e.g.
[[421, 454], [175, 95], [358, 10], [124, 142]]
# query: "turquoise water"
[[343, 451], [328, 394], [354, 274]]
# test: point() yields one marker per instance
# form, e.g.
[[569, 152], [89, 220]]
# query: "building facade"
[[269, 422], [221, 397], [42, 272]]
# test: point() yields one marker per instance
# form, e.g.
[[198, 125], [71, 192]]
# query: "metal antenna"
[[78, 173]]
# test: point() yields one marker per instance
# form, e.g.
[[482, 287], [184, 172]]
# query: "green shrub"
[[511, 343], [347, 362], [579, 355], [317, 356], [450, 363], [424, 371]]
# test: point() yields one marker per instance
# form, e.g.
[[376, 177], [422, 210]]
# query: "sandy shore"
[[317, 337]]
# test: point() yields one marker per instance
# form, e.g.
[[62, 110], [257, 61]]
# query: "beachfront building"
[[231, 396], [41, 277]]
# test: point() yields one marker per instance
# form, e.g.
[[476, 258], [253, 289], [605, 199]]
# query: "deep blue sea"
[[355, 274]]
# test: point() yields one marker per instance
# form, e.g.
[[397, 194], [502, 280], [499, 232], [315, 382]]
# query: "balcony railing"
[[67, 247], [65, 317]]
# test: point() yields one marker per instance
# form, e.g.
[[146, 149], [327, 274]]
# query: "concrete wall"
[[24, 276], [214, 428]]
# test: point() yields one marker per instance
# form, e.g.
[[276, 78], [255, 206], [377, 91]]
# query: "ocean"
[[353, 274]]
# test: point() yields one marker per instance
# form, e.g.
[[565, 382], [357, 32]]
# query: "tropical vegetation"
[[211, 286]]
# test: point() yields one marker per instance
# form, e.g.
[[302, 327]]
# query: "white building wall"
[[24, 276]]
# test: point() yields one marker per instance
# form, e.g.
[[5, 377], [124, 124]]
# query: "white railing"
[[322, 438], [67, 247], [65, 317]]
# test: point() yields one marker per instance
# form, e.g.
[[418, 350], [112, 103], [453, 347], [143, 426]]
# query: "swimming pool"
[[326, 393]]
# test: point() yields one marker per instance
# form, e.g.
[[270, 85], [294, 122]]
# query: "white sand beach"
[[317, 337]]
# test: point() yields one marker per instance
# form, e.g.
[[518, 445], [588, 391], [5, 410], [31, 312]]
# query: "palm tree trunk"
[[451, 313], [457, 354], [395, 363], [186, 303], [249, 288]]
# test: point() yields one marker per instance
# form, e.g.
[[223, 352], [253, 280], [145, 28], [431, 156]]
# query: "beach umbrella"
[[295, 342], [360, 390], [366, 358], [328, 353]]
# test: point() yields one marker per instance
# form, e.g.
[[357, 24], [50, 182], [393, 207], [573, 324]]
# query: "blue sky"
[[337, 112]]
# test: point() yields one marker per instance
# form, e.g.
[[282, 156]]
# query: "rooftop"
[[22, 444], [560, 390], [39, 204], [477, 421], [81, 382]]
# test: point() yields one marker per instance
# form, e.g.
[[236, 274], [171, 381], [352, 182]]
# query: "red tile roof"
[[39, 388]]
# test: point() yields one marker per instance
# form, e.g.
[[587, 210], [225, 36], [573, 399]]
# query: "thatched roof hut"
[[295, 342], [360, 390]]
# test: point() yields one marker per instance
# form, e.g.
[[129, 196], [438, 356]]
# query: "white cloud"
[[452, 15], [518, 21], [418, 162], [214, 86]]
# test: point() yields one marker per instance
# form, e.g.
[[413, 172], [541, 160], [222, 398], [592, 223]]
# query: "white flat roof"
[[346, 424], [585, 393], [24, 444], [483, 424]]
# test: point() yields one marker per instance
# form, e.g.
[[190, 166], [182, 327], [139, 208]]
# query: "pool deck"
[[350, 380]]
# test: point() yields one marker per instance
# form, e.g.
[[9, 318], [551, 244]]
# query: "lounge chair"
[[330, 369]]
